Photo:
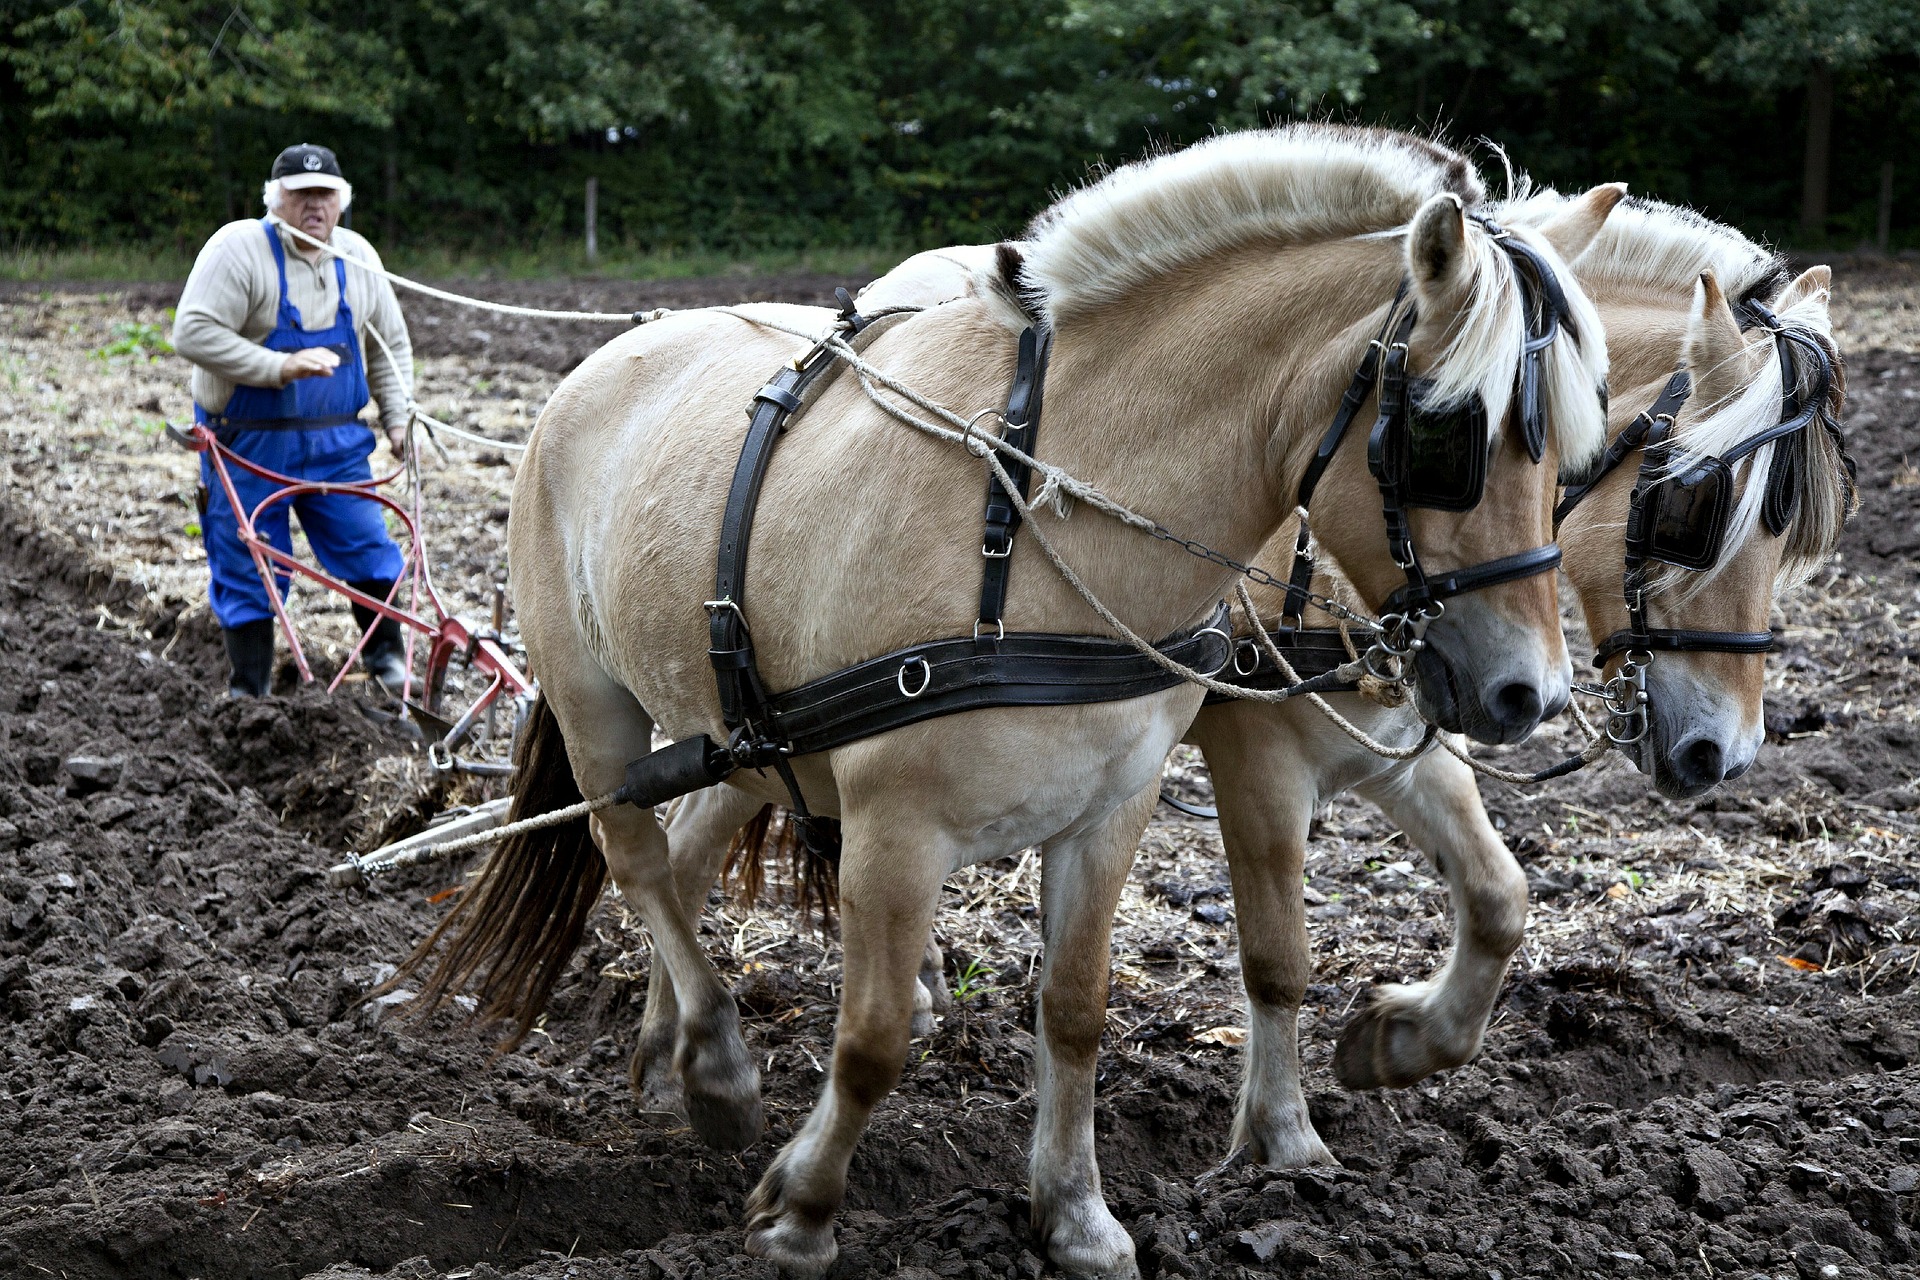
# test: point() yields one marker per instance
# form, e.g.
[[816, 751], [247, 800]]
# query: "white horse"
[[1208, 307]]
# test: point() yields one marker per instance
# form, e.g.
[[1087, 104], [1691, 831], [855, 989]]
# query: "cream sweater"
[[232, 300]]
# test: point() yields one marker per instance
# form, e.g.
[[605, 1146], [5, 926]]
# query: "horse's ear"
[[1814, 285], [1437, 249], [1573, 227], [1716, 353]]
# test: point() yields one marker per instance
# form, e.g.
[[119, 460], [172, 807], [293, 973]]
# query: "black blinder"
[[1682, 520], [1533, 408], [1439, 455], [1782, 500]]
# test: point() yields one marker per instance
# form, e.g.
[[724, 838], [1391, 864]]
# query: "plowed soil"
[[1706, 1063]]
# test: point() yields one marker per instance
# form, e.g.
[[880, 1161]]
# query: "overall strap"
[[1022, 420], [342, 311], [286, 309]]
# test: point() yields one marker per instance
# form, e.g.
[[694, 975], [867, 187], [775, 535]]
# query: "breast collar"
[[1411, 607], [1651, 432]]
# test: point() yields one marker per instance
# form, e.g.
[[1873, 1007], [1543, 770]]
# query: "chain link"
[[1255, 574]]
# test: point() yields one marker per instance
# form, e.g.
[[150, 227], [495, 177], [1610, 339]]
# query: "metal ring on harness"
[[1253, 658], [968, 436], [1224, 661], [926, 677]]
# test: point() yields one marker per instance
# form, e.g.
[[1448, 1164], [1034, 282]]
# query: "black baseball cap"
[[306, 165]]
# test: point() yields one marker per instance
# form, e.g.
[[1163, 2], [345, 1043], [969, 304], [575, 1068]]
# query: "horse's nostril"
[[1700, 763], [1517, 703]]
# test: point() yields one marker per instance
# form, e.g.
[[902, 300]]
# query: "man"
[[276, 330]]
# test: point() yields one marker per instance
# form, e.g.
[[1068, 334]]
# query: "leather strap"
[[1683, 640], [1491, 573], [1002, 518], [1311, 652], [1361, 386], [1667, 405], [944, 677]]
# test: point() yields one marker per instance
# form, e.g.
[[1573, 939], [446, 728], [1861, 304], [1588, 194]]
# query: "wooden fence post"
[[1883, 228], [593, 218]]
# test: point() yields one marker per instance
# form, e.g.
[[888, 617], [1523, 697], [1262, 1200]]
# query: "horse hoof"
[[656, 1088], [1084, 1239], [726, 1122], [797, 1250], [1387, 1045], [800, 1244]]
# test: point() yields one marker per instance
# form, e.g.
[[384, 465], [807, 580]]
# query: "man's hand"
[[397, 438], [313, 362]]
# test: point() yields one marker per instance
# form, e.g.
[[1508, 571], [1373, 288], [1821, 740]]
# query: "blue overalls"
[[310, 430]]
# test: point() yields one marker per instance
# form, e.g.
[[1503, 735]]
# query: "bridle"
[[1682, 519], [1442, 465]]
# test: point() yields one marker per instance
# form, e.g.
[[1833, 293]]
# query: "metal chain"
[[1255, 574]]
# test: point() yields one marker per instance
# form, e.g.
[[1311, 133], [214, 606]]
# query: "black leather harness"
[[1652, 434], [991, 668]]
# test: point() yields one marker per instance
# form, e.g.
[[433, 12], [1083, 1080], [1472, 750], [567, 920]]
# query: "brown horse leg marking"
[[890, 874], [1406, 1033]]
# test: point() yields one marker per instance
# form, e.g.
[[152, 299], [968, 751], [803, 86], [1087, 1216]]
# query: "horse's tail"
[[809, 847], [512, 932]]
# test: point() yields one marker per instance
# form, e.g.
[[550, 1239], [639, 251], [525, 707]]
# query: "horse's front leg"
[[1408, 1032], [1265, 786], [892, 862], [1081, 880]]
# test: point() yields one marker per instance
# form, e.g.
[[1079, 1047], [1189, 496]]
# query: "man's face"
[[313, 210]]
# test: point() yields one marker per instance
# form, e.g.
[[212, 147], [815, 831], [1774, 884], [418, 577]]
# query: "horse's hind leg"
[[891, 866], [606, 728], [1409, 1032], [1265, 788], [699, 828], [1081, 880]]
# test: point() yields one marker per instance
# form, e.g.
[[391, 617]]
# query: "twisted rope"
[[358, 870], [1346, 726], [480, 304]]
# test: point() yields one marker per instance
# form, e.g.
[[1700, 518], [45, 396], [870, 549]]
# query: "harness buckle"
[[1000, 629], [1002, 554]]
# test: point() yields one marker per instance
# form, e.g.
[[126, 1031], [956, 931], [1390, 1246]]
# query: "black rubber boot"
[[385, 655], [250, 653]]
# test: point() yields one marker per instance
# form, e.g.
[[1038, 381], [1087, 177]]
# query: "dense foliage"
[[754, 123]]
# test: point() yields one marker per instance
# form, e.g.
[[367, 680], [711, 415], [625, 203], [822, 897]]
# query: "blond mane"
[[1646, 244], [1293, 185], [1304, 184]]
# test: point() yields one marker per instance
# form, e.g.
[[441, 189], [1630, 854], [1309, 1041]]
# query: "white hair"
[[1647, 244], [1305, 183], [273, 193]]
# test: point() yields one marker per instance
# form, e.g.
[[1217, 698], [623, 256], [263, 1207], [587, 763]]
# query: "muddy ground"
[[188, 1090]]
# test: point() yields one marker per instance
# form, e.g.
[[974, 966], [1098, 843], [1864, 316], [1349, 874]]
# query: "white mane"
[[1297, 184], [1301, 184], [1648, 244]]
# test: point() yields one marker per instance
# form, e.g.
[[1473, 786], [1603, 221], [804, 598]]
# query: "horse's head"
[[1723, 528], [1493, 412]]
